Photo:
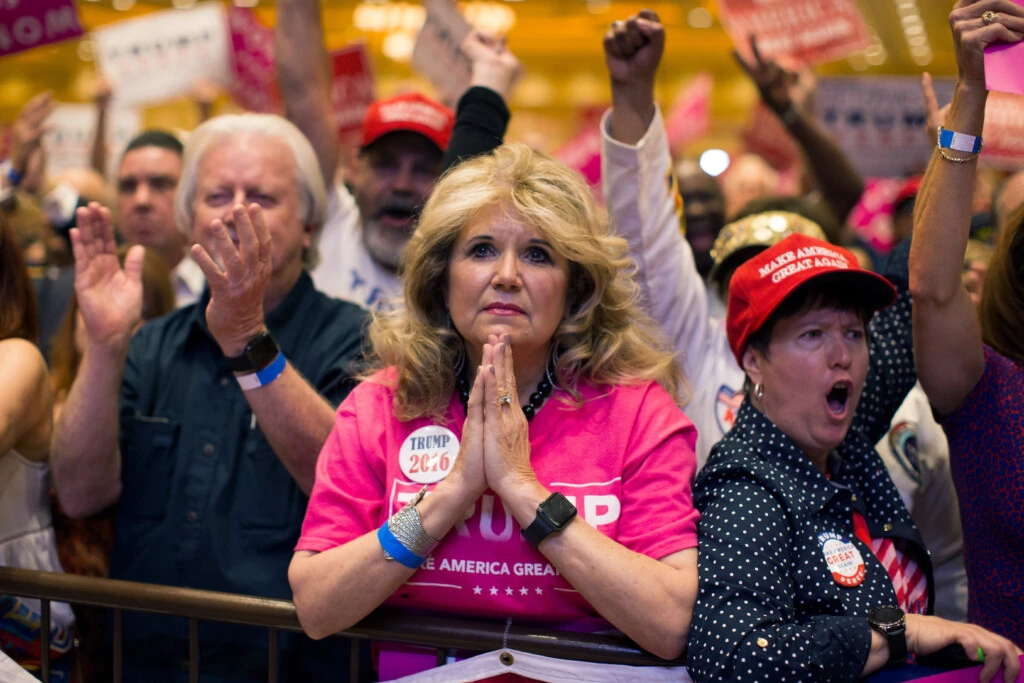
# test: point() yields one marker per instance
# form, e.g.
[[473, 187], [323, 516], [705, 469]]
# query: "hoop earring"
[[759, 391]]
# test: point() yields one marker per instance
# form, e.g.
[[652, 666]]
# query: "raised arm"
[[639, 190], [947, 335], [26, 139], [839, 182], [303, 73], [482, 115], [85, 455], [643, 201], [101, 98]]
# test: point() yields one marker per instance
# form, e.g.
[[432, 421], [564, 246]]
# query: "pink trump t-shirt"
[[625, 459]]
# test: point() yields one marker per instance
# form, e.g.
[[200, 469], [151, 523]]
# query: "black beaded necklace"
[[537, 398]]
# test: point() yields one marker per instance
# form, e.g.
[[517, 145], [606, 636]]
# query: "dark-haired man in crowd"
[[149, 173]]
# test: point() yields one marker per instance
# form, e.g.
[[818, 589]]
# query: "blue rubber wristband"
[[398, 552], [13, 177], [960, 142], [265, 376]]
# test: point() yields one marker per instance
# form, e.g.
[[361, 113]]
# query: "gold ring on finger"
[[989, 17], [505, 398]]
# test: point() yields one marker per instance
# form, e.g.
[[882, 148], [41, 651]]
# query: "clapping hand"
[[109, 297], [238, 277]]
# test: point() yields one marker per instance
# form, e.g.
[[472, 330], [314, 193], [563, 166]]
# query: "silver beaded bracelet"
[[407, 528]]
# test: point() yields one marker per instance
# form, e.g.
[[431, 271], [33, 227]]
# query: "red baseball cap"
[[759, 286], [412, 112]]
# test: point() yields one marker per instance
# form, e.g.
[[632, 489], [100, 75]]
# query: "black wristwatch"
[[259, 353], [891, 622], [553, 515]]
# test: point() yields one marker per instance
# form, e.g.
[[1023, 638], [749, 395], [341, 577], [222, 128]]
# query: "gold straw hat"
[[755, 233]]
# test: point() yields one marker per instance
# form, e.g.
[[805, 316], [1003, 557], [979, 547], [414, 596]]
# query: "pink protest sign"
[[254, 85], [1003, 62], [25, 24], [812, 31], [690, 115], [352, 88]]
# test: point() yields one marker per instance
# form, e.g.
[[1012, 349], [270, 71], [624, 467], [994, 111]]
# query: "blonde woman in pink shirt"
[[521, 389]]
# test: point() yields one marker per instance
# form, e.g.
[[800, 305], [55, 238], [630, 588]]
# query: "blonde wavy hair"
[[605, 338]]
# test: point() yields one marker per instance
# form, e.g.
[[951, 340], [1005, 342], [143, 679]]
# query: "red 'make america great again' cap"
[[760, 285], [408, 112]]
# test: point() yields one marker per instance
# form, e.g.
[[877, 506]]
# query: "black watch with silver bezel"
[[553, 515], [891, 622], [259, 353]]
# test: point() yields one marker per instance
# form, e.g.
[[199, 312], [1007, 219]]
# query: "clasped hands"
[[495, 448]]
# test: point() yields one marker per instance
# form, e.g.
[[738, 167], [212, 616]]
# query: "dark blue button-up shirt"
[[206, 503], [768, 607]]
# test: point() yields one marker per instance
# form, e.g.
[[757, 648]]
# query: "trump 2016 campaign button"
[[843, 559], [428, 454]]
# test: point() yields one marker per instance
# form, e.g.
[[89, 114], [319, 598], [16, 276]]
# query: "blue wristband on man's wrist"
[[394, 549], [255, 380]]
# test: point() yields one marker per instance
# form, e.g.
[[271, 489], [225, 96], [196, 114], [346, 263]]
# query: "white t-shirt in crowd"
[[346, 270], [188, 281], [916, 454], [641, 197]]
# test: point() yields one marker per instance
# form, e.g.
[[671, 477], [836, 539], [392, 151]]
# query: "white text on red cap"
[[794, 261], [413, 112]]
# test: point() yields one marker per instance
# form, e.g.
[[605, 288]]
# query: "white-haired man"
[[205, 425]]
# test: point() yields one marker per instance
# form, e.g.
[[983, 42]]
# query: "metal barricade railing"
[[440, 633]]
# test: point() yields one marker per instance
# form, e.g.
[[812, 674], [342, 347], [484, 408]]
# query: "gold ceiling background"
[[557, 41]]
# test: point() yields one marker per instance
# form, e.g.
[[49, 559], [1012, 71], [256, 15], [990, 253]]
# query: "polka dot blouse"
[[769, 605]]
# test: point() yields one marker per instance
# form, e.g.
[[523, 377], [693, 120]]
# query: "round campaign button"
[[428, 454], [843, 559]]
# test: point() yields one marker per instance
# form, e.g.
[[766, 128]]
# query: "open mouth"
[[398, 215], [839, 398]]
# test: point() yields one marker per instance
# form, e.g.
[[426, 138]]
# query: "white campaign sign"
[[68, 142], [879, 122], [161, 55], [437, 53]]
